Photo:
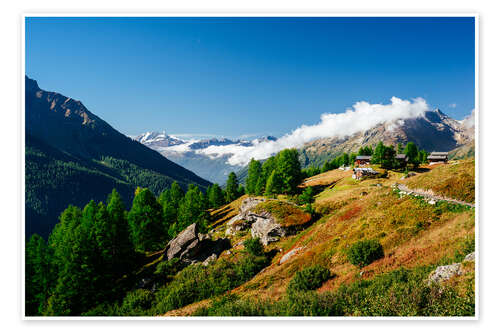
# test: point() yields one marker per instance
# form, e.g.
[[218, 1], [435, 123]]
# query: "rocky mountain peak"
[[30, 84]]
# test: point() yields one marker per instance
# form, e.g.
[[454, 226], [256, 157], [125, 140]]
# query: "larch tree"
[[145, 221], [232, 187]]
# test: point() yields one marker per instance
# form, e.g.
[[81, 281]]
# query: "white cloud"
[[362, 116], [469, 121], [453, 105]]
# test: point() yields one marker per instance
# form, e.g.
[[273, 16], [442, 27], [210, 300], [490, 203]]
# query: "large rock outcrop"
[[264, 225], [190, 246], [266, 228], [245, 218]]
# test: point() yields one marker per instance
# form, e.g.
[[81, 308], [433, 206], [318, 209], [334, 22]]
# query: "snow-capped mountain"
[[206, 157], [157, 139]]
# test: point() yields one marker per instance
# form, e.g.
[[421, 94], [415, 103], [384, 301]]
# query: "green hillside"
[[53, 179]]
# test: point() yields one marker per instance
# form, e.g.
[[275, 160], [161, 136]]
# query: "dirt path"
[[429, 195]]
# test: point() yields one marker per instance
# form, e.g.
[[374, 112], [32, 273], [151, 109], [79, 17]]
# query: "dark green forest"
[[54, 178]]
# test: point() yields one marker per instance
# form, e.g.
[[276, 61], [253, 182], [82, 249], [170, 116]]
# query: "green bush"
[[197, 282], [168, 268], [363, 253], [137, 303], [306, 197], [309, 278], [254, 246]]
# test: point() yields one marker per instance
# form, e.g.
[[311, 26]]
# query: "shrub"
[[307, 196], [196, 282], [363, 253], [254, 246], [168, 268], [312, 303], [103, 309], [309, 278], [136, 303]]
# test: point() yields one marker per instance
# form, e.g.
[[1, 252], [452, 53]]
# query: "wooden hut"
[[437, 157], [402, 160], [362, 160]]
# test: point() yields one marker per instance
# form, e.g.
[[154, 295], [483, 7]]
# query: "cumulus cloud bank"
[[362, 116], [469, 121]]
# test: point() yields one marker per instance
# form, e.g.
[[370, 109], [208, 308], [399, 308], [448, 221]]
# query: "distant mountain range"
[[199, 155], [73, 156], [434, 131]]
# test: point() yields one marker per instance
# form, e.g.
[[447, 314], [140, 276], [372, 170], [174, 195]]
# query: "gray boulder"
[[190, 246], [266, 228], [236, 224], [244, 219], [180, 243], [444, 273], [250, 203]]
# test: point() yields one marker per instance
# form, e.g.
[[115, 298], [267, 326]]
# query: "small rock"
[[432, 202], [210, 259], [470, 257], [290, 254], [444, 273]]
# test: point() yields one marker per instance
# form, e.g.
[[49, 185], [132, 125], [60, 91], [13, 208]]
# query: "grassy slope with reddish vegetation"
[[454, 180], [412, 232], [286, 214]]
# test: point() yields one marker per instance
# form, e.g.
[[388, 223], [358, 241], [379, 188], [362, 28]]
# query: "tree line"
[[281, 173]]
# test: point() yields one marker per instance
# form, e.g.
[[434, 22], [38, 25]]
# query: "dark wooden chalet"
[[363, 160], [402, 159], [437, 157]]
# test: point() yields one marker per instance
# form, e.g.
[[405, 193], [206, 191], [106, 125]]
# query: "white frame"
[[243, 14]]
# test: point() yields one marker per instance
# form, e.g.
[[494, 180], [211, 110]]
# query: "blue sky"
[[249, 76]]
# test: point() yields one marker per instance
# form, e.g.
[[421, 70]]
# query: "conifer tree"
[[231, 187], [422, 156], [39, 275], [399, 148], [411, 152], [191, 210], [289, 170], [260, 187], [352, 158], [388, 158], [273, 184], [254, 173], [145, 221], [216, 196], [176, 194], [267, 167], [377, 154], [76, 259]]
